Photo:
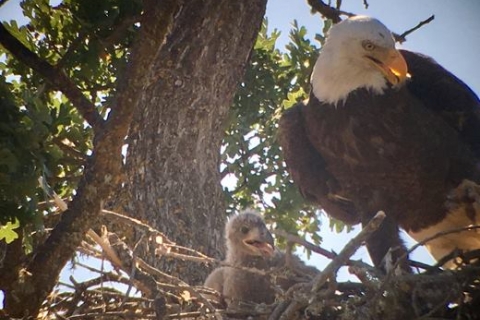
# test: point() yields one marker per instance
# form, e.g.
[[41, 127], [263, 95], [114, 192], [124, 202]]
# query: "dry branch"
[[350, 248], [403, 37], [335, 14], [327, 11], [304, 243]]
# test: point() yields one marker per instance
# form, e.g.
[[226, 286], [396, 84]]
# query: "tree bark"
[[175, 137]]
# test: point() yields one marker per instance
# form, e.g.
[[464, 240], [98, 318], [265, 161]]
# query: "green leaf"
[[7, 231]]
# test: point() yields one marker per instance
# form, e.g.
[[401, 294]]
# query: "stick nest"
[[134, 289]]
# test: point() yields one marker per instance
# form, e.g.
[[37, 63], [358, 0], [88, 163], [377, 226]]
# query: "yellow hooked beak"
[[391, 63]]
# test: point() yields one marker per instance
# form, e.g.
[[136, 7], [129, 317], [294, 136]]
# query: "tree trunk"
[[175, 138]]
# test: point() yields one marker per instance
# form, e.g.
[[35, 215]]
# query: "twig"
[[403, 37], [331, 269], [133, 269], [89, 268], [308, 245], [424, 266], [328, 11], [188, 315], [294, 306], [192, 251], [332, 255], [74, 153], [350, 248], [107, 249], [166, 242], [279, 310], [334, 14], [133, 262], [137, 223], [142, 264], [110, 314], [363, 276]]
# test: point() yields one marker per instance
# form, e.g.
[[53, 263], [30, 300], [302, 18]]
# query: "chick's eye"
[[367, 45], [244, 229]]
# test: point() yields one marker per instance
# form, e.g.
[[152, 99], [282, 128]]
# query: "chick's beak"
[[262, 241], [392, 64]]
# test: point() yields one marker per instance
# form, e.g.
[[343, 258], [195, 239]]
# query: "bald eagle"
[[387, 129]]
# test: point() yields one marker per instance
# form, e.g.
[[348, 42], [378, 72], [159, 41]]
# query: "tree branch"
[[328, 11], [350, 248], [101, 171], [56, 77], [2, 2], [403, 37], [301, 301], [306, 244], [334, 13]]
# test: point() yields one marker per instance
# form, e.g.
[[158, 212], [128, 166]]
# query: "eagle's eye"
[[368, 45], [244, 229]]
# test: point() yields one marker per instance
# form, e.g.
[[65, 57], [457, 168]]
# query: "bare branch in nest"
[[107, 249], [329, 254], [344, 255], [312, 292], [304, 243], [152, 274], [401, 38], [135, 223]]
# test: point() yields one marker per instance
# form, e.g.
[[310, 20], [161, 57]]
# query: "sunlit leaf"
[[7, 231]]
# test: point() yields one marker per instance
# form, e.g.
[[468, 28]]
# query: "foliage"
[[7, 231], [42, 134], [25, 152], [252, 161]]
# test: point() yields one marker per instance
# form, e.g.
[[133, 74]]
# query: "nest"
[[149, 293]]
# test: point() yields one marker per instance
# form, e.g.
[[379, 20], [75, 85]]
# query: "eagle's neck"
[[246, 260], [335, 75]]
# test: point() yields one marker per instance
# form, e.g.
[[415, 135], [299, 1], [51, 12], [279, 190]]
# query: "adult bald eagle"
[[391, 130]]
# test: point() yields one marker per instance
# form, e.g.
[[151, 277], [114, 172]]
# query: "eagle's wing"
[[308, 170], [446, 95]]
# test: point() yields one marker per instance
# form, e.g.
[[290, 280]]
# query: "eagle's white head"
[[359, 52]]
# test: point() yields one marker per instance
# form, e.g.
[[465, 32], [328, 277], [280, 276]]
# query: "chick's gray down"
[[250, 245]]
